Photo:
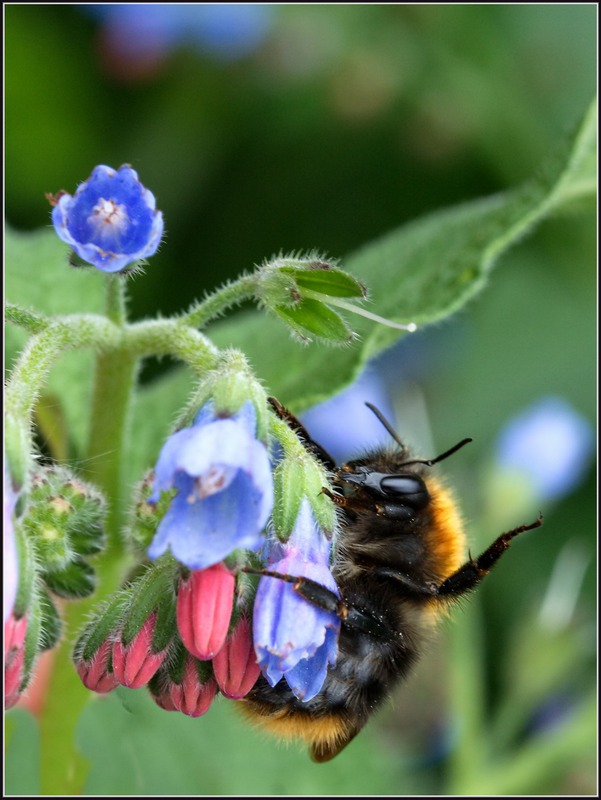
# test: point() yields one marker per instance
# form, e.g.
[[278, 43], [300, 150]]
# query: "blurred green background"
[[337, 124]]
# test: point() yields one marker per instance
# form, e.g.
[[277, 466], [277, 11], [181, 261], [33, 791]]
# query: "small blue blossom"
[[142, 31], [111, 220], [551, 444], [224, 485], [294, 638]]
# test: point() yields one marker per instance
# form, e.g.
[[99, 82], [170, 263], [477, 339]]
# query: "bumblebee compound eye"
[[408, 490], [398, 496]]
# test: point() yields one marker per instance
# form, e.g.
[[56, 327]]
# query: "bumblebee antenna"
[[428, 462], [385, 423]]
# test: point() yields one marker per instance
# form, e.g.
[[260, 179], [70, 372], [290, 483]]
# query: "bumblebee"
[[398, 565]]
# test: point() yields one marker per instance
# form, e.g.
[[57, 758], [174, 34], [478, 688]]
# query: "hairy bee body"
[[398, 564]]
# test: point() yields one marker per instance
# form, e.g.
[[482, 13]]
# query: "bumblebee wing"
[[326, 751]]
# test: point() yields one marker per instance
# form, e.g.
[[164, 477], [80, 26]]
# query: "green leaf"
[[421, 272]]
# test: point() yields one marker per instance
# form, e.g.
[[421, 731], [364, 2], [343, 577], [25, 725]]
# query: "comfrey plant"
[[233, 488], [173, 540]]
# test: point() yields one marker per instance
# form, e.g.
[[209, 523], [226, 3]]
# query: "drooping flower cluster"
[[218, 476]]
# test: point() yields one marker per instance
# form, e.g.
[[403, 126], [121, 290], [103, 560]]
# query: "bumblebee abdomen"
[[365, 672]]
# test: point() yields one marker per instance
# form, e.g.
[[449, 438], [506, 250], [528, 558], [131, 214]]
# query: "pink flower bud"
[[14, 657], [235, 665], [204, 609], [193, 696], [163, 700], [134, 664], [95, 674]]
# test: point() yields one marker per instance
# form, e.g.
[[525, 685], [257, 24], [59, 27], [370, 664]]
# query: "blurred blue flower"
[[111, 220], [551, 444], [344, 425], [10, 566], [224, 484], [294, 638], [144, 33]]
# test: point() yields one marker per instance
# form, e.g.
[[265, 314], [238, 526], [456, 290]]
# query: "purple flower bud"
[[224, 489], [95, 674], [135, 663], [293, 637], [194, 695], [204, 609], [111, 220], [235, 665], [550, 444]]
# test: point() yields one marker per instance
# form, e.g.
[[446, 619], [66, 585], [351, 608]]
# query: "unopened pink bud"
[[14, 657], [95, 673], [164, 701], [193, 696], [204, 610], [135, 664], [235, 665]]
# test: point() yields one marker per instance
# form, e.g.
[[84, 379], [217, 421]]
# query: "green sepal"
[[144, 517], [51, 624], [177, 662], [106, 622], [28, 571], [46, 523], [32, 638], [88, 538], [229, 386], [153, 588], [309, 316], [325, 279], [75, 581], [166, 624], [294, 479]]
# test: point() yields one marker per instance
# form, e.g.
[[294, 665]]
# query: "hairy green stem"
[[32, 321], [231, 294]]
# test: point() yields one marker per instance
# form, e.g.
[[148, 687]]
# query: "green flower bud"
[[295, 478], [229, 386], [64, 517], [301, 291], [145, 517]]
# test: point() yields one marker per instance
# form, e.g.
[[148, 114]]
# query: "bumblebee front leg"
[[324, 598], [467, 576], [472, 572]]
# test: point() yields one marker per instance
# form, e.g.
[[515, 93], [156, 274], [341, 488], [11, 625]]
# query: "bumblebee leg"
[[322, 597], [316, 449], [472, 572], [466, 577]]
